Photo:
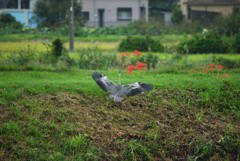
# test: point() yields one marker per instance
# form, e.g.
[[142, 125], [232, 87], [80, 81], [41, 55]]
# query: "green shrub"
[[227, 25], [177, 15], [8, 24], [57, 47], [209, 42], [140, 43], [92, 58], [227, 63], [149, 58], [144, 28], [236, 44]]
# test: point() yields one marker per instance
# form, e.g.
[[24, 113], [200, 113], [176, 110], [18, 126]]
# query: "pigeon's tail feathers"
[[118, 99]]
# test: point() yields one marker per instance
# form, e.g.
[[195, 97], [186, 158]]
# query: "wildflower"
[[130, 68], [212, 69], [141, 66], [219, 66], [192, 70], [210, 65], [204, 71], [124, 54], [225, 75], [206, 66], [138, 53]]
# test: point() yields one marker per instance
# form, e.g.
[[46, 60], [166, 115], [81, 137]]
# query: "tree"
[[7, 20], [176, 15], [51, 13], [158, 6]]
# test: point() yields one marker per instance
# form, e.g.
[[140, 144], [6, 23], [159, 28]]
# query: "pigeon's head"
[[119, 72]]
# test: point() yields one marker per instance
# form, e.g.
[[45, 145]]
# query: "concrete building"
[[22, 10], [112, 13], [98, 13], [206, 9]]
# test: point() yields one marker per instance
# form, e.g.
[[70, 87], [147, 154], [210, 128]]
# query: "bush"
[[57, 47], [140, 43], [209, 42], [227, 25], [92, 58], [7, 21], [227, 63], [144, 28], [236, 44], [177, 15]]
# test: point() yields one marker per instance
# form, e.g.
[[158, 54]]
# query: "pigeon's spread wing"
[[136, 88], [103, 82]]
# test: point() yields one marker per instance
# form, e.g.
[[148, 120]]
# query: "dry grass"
[[39, 47]]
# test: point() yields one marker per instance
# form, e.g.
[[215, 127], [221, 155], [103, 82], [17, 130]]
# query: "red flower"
[[192, 70], [210, 65], [212, 69], [204, 71], [130, 68], [141, 66], [225, 75], [138, 53], [124, 54], [219, 66]]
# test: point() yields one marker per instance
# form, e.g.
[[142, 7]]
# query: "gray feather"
[[117, 91]]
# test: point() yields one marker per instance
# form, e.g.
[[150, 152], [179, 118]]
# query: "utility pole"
[[71, 26]]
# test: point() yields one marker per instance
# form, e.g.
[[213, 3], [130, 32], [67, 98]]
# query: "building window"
[[124, 14], [236, 10], [12, 4], [85, 15], [24, 4]]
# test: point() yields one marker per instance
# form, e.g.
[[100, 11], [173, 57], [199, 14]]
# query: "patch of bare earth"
[[161, 118]]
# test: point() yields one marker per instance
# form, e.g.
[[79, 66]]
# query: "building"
[[98, 13], [203, 10], [112, 13], [22, 10]]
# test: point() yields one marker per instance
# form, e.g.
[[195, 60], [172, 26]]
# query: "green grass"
[[35, 37], [66, 116], [58, 113], [91, 38], [45, 82]]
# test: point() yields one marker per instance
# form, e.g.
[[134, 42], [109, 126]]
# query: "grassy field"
[[66, 116], [52, 111], [100, 38], [10, 43], [40, 47]]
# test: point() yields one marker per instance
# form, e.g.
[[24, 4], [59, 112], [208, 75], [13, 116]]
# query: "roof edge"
[[211, 3]]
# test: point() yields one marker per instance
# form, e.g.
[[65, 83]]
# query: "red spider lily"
[[225, 75], [192, 70], [212, 69], [204, 71], [124, 54], [140, 66], [210, 65], [219, 66], [138, 53], [130, 68]]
